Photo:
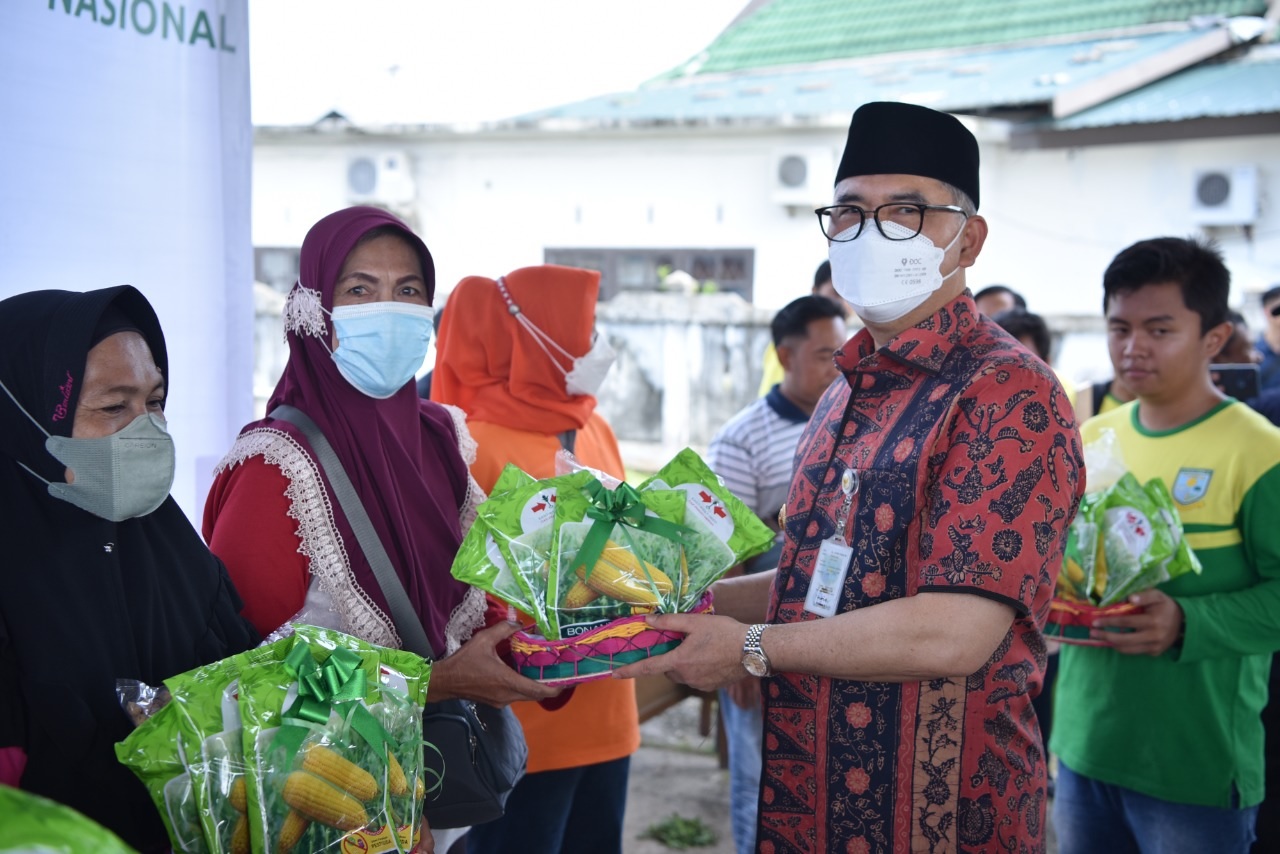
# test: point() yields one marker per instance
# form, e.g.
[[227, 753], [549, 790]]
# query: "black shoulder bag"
[[479, 751]]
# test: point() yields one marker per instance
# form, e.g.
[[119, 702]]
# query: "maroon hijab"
[[401, 453]]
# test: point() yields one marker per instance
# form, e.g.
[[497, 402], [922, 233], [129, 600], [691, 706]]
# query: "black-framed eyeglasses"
[[843, 223]]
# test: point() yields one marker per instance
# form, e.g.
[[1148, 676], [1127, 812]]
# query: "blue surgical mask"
[[381, 345]]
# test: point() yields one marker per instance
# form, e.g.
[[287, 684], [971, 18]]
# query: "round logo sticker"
[[709, 509], [539, 511], [1133, 527]]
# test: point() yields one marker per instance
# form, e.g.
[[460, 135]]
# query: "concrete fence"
[[686, 363]]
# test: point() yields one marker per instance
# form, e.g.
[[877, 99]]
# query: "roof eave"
[[1127, 78]]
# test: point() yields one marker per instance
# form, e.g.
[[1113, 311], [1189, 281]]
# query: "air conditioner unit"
[[802, 177], [384, 177], [1227, 196]]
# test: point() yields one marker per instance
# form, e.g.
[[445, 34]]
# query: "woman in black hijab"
[[102, 577]]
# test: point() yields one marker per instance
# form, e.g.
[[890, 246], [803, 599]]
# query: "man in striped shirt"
[[754, 454]]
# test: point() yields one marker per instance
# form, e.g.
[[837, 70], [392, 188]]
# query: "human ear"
[[786, 356], [975, 235], [1216, 338]]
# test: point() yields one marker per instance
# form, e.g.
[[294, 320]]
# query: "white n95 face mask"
[[885, 279]]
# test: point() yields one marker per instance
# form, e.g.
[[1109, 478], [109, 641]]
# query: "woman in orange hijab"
[[521, 358]]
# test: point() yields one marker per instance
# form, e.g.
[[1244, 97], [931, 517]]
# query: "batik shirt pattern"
[[969, 471]]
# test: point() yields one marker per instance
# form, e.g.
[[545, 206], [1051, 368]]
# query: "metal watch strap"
[[751, 645]]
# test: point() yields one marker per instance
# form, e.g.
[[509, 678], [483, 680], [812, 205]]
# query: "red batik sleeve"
[[1004, 484]]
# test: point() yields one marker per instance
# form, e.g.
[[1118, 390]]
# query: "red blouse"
[[254, 529]]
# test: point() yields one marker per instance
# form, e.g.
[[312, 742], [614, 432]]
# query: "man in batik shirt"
[[901, 642]]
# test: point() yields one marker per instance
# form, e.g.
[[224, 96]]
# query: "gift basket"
[[1126, 537], [586, 558], [312, 743]]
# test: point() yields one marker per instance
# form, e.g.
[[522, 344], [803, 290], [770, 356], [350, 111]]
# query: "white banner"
[[126, 155]]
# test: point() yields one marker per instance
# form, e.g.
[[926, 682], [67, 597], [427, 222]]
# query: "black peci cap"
[[891, 138]]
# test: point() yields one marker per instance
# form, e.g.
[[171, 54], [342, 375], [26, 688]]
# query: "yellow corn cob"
[[1065, 590], [1073, 570], [578, 596], [1100, 572], [397, 785], [641, 609], [319, 801], [291, 829], [236, 795], [684, 574], [618, 574], [419, 790], [344, 774], [240, 836]]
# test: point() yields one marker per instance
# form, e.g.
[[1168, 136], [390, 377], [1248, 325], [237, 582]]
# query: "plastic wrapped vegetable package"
[[311, 743], [1126, 538], [36, 825], [591, 560]]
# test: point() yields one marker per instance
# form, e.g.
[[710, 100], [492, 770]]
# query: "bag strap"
[[405, 618]]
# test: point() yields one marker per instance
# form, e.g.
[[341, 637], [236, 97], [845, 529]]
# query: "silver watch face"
[[755, 664]]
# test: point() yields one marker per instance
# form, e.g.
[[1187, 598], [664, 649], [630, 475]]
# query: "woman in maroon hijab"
[[358, 322]]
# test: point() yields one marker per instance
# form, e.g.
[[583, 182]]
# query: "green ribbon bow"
[[620, 506], [337, 685]]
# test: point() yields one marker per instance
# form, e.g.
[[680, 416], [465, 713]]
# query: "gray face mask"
[[117, 477]]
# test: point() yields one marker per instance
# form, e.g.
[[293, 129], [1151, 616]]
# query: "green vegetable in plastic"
[[209, 734], [520, 522], [481, 563], [153, 754], [571, 527], [715, 512], [396, 687], [35, 824], [1139, 539]]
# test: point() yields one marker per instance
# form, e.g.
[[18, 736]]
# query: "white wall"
[[1059, 216], [490, 204]]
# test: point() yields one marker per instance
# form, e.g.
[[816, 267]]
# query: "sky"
[[465, 61]]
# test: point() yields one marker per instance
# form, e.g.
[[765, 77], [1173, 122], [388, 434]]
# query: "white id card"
[[827, 583]]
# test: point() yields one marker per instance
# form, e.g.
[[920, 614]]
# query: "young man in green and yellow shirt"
[[1159, 734]]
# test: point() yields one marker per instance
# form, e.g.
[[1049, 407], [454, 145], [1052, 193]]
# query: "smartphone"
[[1239, 381]]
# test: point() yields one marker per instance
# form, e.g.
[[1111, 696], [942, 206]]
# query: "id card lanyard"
[[834, 557]]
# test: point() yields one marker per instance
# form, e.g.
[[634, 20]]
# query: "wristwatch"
[[753, 658]]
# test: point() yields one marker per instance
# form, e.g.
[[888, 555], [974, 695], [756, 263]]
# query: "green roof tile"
[[984, 81], [789, 32]]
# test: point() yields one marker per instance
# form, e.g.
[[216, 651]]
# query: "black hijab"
[[85, 601]]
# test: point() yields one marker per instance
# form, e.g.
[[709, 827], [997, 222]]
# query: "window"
[[644, 269], [276, 266]]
